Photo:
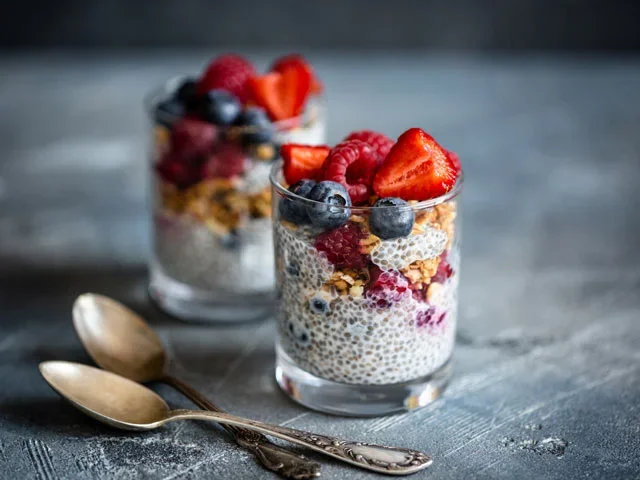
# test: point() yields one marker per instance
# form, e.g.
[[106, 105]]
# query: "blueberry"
[[231, 241], [257, 128], [330, 211], [391, 221], [293, 269], [186, 94], [219, 107], [318, 305], [295, 211], [168, 112]]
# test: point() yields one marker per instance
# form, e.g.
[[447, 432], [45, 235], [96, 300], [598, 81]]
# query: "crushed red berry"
[[379, 142], [191, 138], [429, 317], [178, 172], [444, 271], [342, 246], [386, 288], [352, 164], [226, 162]]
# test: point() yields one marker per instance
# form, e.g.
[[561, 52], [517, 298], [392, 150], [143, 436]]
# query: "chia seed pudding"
[[215, 140], [367, 262]]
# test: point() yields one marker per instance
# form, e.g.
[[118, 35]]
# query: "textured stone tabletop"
[[547, 381]]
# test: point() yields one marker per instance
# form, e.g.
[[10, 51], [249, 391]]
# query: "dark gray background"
[[564, 25]]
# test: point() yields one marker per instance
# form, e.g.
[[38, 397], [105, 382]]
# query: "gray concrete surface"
[[549, 337]]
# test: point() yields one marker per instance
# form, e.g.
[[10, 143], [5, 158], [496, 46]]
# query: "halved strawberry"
[[282, 94], [453, 156], [298, 60], [302, 161], [417, 168]]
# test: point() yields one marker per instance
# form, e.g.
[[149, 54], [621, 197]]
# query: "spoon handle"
[[381, 459], [273, 457]]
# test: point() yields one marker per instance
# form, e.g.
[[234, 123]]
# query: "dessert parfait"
[[367, 256], [215, 140]]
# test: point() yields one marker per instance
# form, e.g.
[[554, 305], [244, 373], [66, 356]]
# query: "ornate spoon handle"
[[273, 457], [381, 459]]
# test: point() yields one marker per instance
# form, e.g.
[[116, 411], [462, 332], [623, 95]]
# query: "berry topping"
[[282, 94], [395, 218], [417, 168], [228, 72], [295, 211], [169, 111], [187, 94], [219, 107], [352, 164], [342, 246], [302, 161], [295, 59], [257, 128], [455, 160], [379, 142], [330, 209], [429, 317], [180, 173], [226, 162], [444, 271], [386, 288], [193, 137]]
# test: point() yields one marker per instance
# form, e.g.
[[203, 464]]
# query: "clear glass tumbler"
[[212, 253], [373, 339]]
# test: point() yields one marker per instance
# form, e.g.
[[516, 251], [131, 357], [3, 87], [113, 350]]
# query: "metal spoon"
[[120, 341], [122, 403]]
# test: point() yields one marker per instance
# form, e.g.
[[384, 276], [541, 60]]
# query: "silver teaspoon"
[[125, 404], [120, 341]]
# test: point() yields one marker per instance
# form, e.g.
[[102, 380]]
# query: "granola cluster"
[[218, 203]]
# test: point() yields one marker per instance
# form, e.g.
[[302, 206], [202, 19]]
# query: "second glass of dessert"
[[367, 259], [214, 141]]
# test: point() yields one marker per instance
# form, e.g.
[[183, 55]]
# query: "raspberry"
[[191, 138], [352, 164], [379, 142], [386, 288], [227, 161], [174, 170], [342, 246], [228, 72], [444, 270], [429, 317]]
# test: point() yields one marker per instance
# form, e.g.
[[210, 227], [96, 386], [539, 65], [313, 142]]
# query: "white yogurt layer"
[[346, 339], [191, 253]]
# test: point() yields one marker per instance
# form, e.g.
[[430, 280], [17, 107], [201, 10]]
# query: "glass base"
[[191, 304], [357, 400]]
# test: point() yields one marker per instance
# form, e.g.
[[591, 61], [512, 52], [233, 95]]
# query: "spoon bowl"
[[118, 339], [107, 397]]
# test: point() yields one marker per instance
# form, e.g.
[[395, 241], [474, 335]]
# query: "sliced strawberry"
[[296, 59], [417, 168], [302, 161], [282, 94], [453, 156]]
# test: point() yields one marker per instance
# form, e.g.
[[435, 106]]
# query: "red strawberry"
[[282, 94], [228, 72], [352, 164], [417, 168], [227, 161], [453, 156], [302, 161], [298, 60]]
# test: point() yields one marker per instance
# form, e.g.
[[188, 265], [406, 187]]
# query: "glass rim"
[[276, 171], [164, 90]]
